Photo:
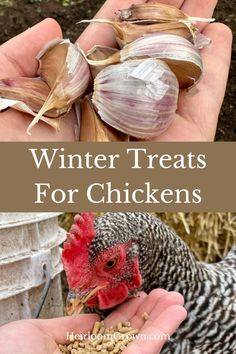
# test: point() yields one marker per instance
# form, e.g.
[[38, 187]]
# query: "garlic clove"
[[157, 11], [65, 70], [92, 128], [181, 55], [163, 15], [127, 32], [141, 19], [99, 52], [153, 18], [138, 97], [150, 11]]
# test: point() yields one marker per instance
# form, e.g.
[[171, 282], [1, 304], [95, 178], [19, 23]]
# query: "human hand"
[[197, 114], [43, 336]]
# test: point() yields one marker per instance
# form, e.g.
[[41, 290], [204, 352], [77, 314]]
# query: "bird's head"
[[99, 264]]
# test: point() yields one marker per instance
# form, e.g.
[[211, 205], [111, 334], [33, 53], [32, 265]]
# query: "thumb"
[[17, 56]]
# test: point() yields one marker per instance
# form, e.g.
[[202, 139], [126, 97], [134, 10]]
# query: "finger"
[[147, 306], [61, 328], [203, 107], [217, 58], [165, 301], [199, 8], [125, 311], [101, 34], [176, 3], [155, 336], [17, 56]]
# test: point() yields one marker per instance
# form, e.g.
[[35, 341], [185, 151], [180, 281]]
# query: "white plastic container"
[[29, 242]]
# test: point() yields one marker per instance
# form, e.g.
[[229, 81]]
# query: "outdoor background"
[[18, 15]]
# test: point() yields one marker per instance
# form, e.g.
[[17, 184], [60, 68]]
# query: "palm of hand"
[[26, 337], [41, 336]]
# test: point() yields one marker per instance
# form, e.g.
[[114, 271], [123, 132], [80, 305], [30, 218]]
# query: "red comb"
[[76, 247]]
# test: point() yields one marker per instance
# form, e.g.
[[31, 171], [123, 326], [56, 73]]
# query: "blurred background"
[[16, 16]]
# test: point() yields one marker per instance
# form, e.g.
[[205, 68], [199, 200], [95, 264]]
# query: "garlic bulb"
[[181, 55], [138, 97]]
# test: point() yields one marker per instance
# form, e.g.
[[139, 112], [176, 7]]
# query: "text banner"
[[117, 177]]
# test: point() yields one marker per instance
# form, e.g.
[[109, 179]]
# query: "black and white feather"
[[167, 262]]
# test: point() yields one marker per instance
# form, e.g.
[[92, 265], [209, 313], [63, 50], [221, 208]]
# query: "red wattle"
[[92, 302]]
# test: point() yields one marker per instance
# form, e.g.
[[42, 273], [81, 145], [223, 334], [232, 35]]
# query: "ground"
[[16, 16]]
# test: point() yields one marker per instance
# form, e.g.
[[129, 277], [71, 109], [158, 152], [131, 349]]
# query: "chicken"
[[119, 253]]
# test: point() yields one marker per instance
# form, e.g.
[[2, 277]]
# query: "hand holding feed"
[[165, 311]]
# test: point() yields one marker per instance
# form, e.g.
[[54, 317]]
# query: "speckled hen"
[[123, 252]]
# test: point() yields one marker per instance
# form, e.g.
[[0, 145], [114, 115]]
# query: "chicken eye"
[[111, 263]]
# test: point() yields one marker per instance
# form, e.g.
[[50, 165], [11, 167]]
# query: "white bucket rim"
[[32, 218]]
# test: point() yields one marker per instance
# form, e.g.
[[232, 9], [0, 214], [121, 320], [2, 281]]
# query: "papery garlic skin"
[[181, 55], [31, 91], [162, 46], [22, 107], [99, 52], [138, 97], [78, 74], [92, 128]]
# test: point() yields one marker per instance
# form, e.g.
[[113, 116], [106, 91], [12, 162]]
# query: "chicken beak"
[[75, 302]]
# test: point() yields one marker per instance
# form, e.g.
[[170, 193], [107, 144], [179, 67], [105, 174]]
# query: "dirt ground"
[[16, 16]]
